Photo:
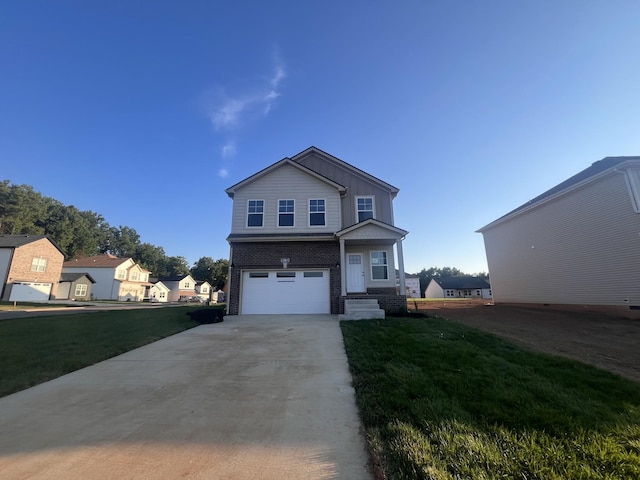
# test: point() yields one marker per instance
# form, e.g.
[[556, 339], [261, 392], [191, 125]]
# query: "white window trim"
[[286, 213], [325, 213], [373, 206], [81, 286], [39, 264], [371, 265], [253, 213]]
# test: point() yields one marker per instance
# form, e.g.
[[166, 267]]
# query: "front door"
[[355, 273]]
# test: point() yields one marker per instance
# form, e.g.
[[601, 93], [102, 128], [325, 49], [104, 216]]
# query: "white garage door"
[[285, 291], [30, 292]]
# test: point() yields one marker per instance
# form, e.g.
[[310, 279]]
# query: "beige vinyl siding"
[[356, 186], [580, 248], [286, 183]]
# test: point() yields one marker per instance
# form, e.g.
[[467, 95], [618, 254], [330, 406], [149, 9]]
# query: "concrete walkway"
[[256, 397]]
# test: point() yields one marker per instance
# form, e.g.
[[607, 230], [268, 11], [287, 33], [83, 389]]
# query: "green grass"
[[36, 349], [26, 306], [443, 401]]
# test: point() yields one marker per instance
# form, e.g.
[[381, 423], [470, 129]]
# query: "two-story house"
[[203, 290], [574, 245], [309, 232], [30, 267], [115, 278], [181, 287]]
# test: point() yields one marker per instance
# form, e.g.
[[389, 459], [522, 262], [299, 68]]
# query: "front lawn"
[[36, 349], [440, 400]]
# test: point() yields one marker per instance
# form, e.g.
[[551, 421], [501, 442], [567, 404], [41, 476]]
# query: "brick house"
[[310, 233], [30, 266]]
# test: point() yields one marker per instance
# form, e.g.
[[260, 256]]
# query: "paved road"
[[255, 397], [82, 308]]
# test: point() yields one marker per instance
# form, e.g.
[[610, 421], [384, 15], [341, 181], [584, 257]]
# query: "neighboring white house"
[[157, 292], [115, 278], [181, 287], [203, 290], [576, 244], [458, 287]]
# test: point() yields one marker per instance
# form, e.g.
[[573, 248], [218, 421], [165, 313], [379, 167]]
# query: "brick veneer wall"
[[20, 270], [389, 302], [267, 256]]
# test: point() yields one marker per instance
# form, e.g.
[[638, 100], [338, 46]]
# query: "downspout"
[[228, 292]]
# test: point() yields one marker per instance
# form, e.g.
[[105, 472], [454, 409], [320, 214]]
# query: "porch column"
[[343, 270], [403, 288]]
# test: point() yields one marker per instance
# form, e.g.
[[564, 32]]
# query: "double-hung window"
[[81, 290], [379, 266], [364, 208], [317, 212], [39, 264], [255, 213], [286, 212]]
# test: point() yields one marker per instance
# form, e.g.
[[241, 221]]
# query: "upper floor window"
[[364, 208], [39, 265], [135, 276], [316, 212], [379, 267], [121, 274], [285, 213], [187, 285], [255, 213]]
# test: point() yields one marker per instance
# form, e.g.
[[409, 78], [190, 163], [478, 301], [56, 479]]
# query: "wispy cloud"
[[230, 112], [228, 150]]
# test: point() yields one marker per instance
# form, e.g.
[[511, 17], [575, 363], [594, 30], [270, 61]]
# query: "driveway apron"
[[256, 397]]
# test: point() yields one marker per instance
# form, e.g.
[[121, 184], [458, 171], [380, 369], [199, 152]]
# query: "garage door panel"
[[30, 292], [286, 292]]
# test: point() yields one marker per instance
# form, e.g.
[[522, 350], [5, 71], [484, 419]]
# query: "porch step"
[[361, 309]]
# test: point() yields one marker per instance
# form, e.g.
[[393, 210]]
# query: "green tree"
[[174, 266], [20, 209], [213, 271], [152, 258]]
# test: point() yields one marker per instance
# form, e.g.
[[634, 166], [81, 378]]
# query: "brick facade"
[[20, 269], [389, 301], [267, 255]]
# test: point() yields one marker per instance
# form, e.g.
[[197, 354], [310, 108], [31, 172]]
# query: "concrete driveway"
[[256, 397]]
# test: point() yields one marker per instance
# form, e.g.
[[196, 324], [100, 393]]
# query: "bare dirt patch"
[[607, 342]]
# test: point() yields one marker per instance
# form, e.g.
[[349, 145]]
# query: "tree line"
[[84, 233]]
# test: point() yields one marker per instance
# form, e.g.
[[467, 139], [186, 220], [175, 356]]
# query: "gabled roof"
[[98, 261], [461, 283], [347, 166], [285, 161], [175, 278], [372, 221], [15, 241], [595, 171], [72, 277]]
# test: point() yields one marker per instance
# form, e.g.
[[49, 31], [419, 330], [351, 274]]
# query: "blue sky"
[[145, 111]]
